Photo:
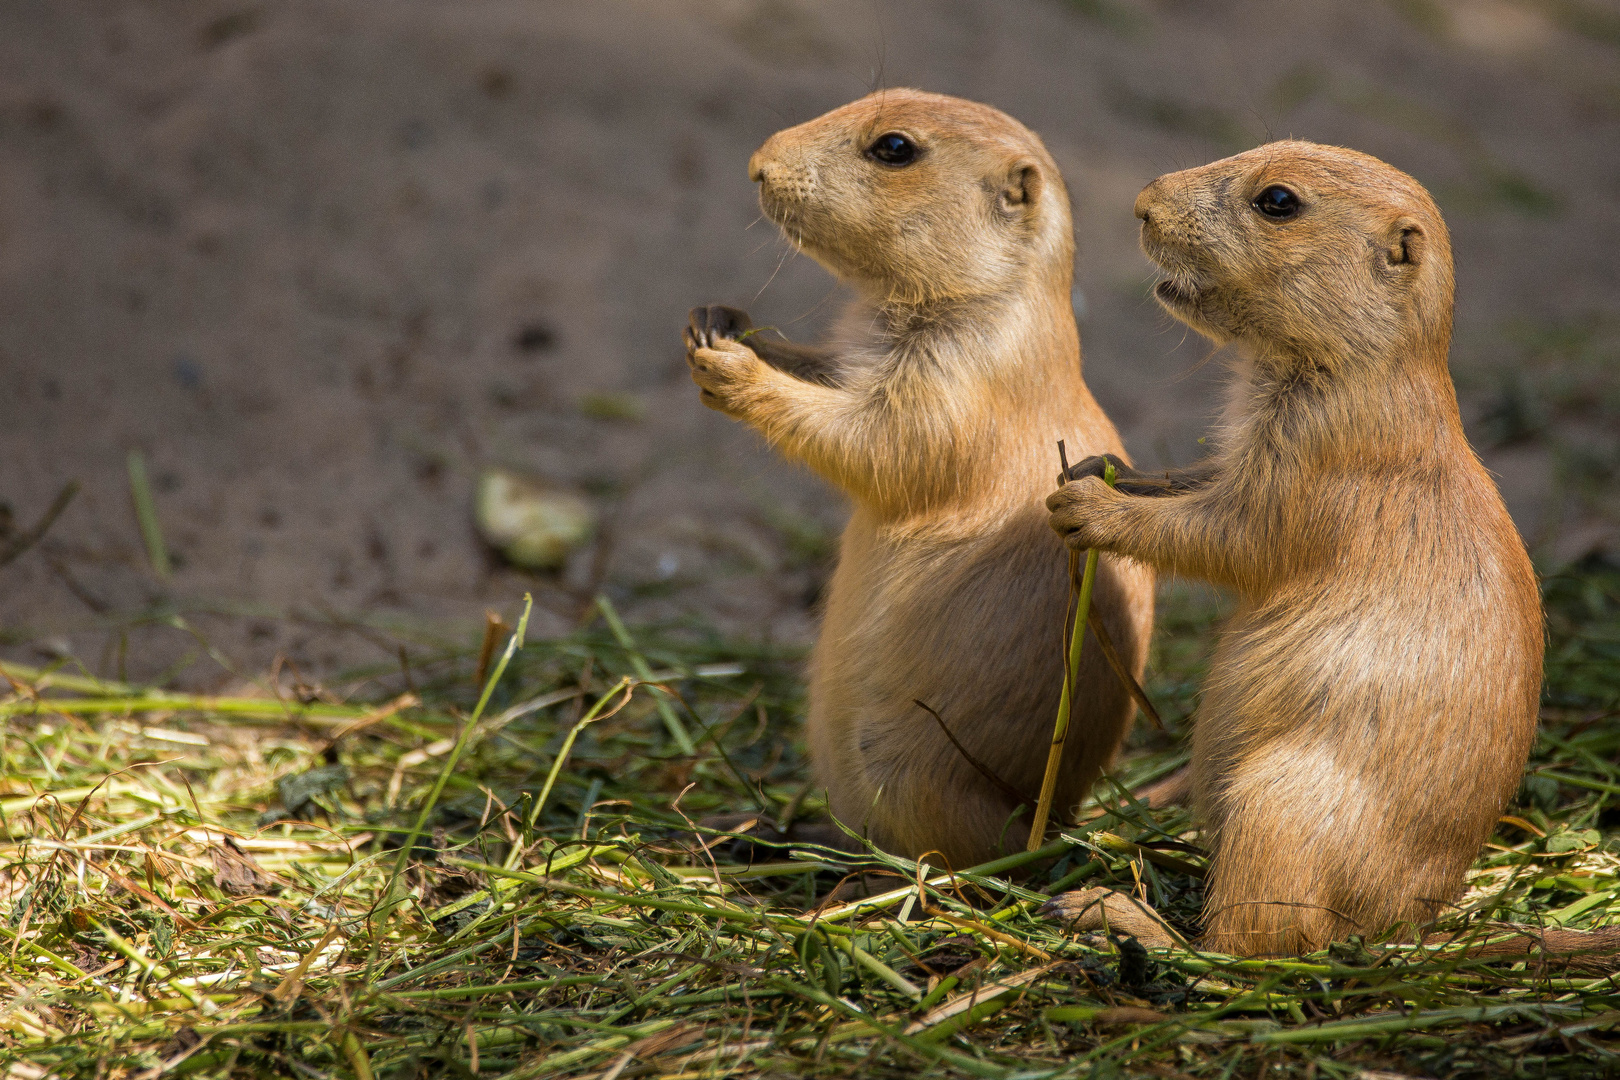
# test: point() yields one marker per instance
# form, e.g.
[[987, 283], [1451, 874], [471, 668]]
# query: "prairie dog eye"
[[893, 148], [1277, 202]]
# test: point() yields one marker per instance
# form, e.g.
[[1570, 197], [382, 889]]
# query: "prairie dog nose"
[[1148, 198], [768, 154], [781, 178]]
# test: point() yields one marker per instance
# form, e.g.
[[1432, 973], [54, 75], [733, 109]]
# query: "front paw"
[[1092, 466], [1077, 508], [723, 371], [716, 322]]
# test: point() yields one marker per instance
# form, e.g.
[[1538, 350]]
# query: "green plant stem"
[[390, 902], [152, 970], [638, 663], [246, 707], [146, 516], [1071, 674], [1389, 1024], [624, 686]]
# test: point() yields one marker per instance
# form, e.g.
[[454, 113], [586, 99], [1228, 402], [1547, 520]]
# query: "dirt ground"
[[321, 262]]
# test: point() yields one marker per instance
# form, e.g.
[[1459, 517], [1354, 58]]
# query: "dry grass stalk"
[[1076, 638], [556, 943]]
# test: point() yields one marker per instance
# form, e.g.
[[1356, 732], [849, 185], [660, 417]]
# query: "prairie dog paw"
[[1104, 909], [1092, 466], [722, 372], [1075, 508], [716, 322]]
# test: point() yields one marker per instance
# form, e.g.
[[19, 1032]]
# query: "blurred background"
[[322, 264]]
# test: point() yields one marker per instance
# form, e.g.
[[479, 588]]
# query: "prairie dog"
[[936, 407], [1371, 704]]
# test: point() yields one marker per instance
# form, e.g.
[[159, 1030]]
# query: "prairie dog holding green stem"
[[937, 410], [1371, 704]]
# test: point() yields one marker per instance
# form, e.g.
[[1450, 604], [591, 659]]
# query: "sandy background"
[[322, 262]]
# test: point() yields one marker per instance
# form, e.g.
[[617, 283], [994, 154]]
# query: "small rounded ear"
[[1021, 189], [1407, 243]]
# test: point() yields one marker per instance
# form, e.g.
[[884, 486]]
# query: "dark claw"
[[706, 325]]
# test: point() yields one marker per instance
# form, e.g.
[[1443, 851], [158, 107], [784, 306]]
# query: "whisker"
[[786, 255]]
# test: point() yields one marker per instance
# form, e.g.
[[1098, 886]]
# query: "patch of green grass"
[[1182, 117], [1558, 390], [1583, 644], [609, 405], [162, 907], [1520, 194], [1115, 15], [1597, 21], [1490, 186], [808, 541], [1301, 83], [1426, 15]]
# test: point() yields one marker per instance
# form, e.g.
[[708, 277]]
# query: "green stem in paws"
[[1071, 673]]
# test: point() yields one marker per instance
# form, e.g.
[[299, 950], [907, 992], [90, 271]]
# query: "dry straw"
[[155, 921]]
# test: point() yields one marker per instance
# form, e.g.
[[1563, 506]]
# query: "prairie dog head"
[[918, 197], [1315, 252]]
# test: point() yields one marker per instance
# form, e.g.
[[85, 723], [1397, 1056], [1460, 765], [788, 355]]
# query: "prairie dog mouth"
[[1181, 294], [1181, 288], [788, 216], [1176, 292], [775, 209]]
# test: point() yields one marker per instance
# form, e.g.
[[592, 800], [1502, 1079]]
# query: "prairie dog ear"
[[1407, 243], [1021, 189]]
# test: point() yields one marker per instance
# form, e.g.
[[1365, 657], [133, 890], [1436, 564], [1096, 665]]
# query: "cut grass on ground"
[[296, 883]]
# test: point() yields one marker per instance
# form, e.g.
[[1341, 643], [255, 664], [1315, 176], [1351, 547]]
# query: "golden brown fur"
[[1372, 702], [937, 410]]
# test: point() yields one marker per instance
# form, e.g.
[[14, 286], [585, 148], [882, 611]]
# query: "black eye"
[[893, 149], [1277, 202]]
